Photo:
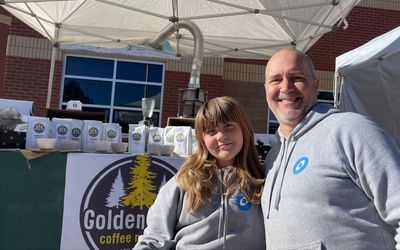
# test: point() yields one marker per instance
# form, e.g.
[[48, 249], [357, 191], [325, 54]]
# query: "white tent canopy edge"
[[235, 28], [367, 81]]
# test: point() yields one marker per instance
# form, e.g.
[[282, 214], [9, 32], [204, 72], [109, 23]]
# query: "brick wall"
[[27, 79], [4, 31], [179, 80], [364, 25], [252, 96]]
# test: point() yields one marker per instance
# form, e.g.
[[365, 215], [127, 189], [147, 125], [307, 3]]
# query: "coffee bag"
[[183, 141], [168, 135], [61, 129], [37, 127], [92, 132], [156, 135], [137, 138], [112, 132]]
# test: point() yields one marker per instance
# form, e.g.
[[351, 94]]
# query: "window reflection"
[[94, 67], [154, 73], [128, 95], [273, 127], [131, 71], [103, 110], [271, 115], [324, 95], [154, 92], [118, 91], [125, 117], [87, 91]]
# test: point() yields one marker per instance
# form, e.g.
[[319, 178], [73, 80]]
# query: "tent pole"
[[336, 90], [52, 66]]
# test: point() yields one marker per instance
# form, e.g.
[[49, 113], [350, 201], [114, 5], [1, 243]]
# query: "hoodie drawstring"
[[223, 220], [272, 184], [223, 213], [283, 163], [279, 190]]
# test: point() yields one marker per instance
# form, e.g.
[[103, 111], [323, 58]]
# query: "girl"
[[214, 200]]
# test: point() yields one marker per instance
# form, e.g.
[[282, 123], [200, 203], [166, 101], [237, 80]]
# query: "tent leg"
[[336, 91], [51, 76]]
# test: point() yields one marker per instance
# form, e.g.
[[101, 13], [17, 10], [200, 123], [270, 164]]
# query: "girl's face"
[[224, 143]]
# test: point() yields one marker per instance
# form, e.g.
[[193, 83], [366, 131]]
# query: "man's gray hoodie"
[[222, 223], [333, 183]]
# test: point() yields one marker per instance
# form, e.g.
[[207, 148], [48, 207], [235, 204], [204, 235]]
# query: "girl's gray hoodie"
[[222, 223], [333, 183]]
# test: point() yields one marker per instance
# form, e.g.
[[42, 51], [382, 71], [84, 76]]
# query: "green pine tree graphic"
[[141, 188]]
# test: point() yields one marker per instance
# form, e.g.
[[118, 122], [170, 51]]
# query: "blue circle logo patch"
[[242, 203], [300, 165]]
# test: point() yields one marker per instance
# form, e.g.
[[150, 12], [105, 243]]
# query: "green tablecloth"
[[31, 200]]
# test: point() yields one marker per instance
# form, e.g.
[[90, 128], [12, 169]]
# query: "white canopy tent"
[[368, 81], [231, 28]]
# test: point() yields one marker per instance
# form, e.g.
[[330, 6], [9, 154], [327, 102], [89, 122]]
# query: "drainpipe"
[[156, 42]]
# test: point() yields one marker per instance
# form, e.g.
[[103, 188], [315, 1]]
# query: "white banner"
[[107, 197]]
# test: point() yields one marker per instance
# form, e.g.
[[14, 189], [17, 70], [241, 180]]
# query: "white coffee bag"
[[137, 138], [37, 127], [194, 141], [76, 132], [183, 141], [92, 132], [168, 135], [61, 130], [112, 132], [156, 135]]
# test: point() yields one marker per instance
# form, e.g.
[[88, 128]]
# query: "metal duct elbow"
[[156, 42]]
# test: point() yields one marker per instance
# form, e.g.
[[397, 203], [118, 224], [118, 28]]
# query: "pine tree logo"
[[115, 204], [116, 193], [142, 184]]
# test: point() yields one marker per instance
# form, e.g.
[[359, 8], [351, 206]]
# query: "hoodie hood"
[[316, 114]]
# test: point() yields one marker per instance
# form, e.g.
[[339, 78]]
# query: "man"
[[334, 178]]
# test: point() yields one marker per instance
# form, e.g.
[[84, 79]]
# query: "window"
[[323, 97], [113, 86], [272, 122]]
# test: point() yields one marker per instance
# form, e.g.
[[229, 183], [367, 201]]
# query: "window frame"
[[271, 120], [113, 81], [330, 101]]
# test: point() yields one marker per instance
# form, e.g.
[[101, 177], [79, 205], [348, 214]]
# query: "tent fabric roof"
[[231, 28], [376, 49], [368, 78]]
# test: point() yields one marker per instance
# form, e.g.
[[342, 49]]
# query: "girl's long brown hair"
[[195, 175]]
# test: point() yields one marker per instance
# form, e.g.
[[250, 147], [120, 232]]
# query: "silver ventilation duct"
[[156, 42], [191, 98]]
